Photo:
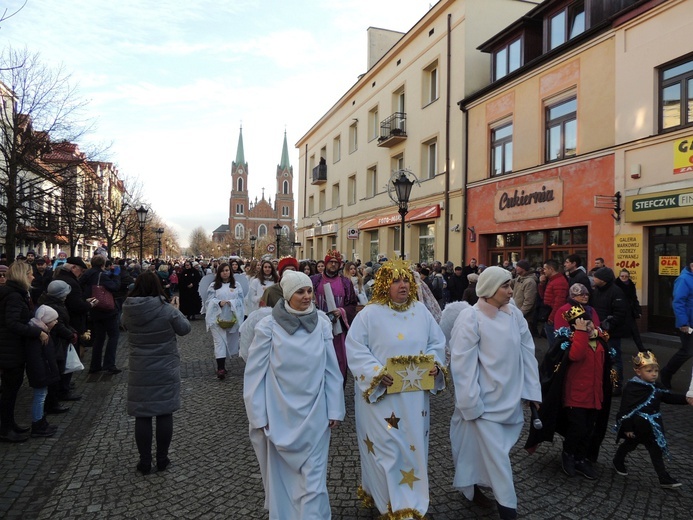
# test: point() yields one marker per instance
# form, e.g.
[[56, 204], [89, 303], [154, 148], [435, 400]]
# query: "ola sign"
[[669, 265]]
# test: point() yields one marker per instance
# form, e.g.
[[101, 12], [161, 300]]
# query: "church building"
[[258, 217]]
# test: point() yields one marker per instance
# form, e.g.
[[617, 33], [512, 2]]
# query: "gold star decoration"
[[412, 447], [369, 444], [392, 421], [408, 478], [400, 336], [376, 368], [363, 378], [411, 377]]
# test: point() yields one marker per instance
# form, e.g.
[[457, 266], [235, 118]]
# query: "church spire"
[[240, 155], [284, 165]]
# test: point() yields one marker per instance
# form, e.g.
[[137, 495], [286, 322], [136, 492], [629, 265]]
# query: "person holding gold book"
[[395, 351]]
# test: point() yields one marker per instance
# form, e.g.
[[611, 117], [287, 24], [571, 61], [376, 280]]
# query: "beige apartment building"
[[400, 114]]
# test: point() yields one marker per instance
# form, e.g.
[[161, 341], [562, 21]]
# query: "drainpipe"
[[464, 183], [305, 184], [446, 196]]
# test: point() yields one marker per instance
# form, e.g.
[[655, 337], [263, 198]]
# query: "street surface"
[[87, 470]]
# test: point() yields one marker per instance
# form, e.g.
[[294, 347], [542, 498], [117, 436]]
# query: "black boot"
[[144, 467], [507, 513], [42, 428]]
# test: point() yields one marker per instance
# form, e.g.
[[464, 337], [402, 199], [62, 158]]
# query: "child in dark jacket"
[[639, 420]]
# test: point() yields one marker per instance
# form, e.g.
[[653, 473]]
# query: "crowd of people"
[[402, 331]]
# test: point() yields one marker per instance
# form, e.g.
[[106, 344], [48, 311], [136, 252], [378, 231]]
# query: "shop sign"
[[425, 213], [529, 201], [660, 206], [669, 265], [683, 155], [628, 249], [352, 234]]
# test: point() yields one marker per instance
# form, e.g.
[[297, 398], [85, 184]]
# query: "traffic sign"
[[271, 248], [352, 234]]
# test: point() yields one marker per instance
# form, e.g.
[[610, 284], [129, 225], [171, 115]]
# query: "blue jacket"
[[683, 298]]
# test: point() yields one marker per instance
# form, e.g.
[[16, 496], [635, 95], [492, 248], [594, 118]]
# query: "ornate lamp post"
[[278, 232], [159, 232], [403, 189], [142, 218], [253, 239]]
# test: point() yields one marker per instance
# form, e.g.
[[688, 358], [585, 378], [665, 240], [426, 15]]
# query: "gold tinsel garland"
[[389, 272], [368, 502], [417, 359]]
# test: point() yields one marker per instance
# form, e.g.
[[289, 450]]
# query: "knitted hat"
[[524, 264], [46, 314], [490, 280], [605, 274], [3, 268], [292, 281], [333, 254], [577, 289], [59, 289], [473, 277], [286, 262]]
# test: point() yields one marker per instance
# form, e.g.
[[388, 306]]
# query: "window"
[[285, 211], [336, 149], [676, 95], [239, 184], [323, 153], [430, 159], [351, 190], [285, 230], [397, 162], [373, 124], [285, 187], [239, 209], [427, 238], [335, 195], [261, 231], [430, 89], [566, 24], [396, 240], [502, 149], [537, 246], [353, 137], [321, 201], [311, 205], [373, 249], [239, 231], [507, 59], [372, 181], [311, 163], [561, 130]]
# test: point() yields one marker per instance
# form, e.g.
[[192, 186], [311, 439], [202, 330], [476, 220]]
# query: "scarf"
[[290, 319]]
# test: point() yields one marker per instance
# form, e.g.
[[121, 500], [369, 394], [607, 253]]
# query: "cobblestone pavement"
[[88, 469]]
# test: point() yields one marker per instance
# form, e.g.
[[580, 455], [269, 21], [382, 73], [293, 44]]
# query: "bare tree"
[[200, 242], [39, 104]]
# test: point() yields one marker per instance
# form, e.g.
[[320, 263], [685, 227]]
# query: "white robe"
[[255, 292], [394, 460], [225, 340], [293, 386], [493, 368]]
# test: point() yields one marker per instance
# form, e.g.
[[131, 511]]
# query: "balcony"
[[393, 130], [320, 174]]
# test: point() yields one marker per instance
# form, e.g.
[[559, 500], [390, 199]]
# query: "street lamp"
[[159, 232], [253, 239], [142, 218], [403, 189], [278, 232]]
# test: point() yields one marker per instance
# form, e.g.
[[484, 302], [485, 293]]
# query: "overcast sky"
[[169, 83]]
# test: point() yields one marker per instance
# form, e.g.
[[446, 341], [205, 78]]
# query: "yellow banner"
[[628, 255], [683, 155], [669, 265]]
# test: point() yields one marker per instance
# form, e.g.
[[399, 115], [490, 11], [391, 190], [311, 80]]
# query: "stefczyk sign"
[[528, 201], [660, 206]]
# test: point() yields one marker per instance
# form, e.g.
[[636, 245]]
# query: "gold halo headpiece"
[[389, 272], [644, 358]]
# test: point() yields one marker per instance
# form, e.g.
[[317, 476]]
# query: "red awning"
[[425, 213]]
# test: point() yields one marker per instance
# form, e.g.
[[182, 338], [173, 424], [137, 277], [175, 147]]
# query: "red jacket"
[[583, 387], [554, 293]]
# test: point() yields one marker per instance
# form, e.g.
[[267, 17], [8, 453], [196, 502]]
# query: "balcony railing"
[[393, 130], [320, 174]]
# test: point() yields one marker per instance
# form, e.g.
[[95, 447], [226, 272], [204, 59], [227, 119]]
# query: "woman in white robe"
[[293, 397], [392, 429], [223, 304], [493, 368], [265, 277]]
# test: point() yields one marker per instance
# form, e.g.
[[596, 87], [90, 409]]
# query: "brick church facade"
[[258, 217]]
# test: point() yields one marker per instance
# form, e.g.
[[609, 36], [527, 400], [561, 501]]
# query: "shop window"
[[502, 149], [566, 24], [373, 245], [538, 246], [561, 130], [676, 95], [507, 59], [427, 238]]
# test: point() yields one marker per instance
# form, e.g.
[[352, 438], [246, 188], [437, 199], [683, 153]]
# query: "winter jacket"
[[41, 365], [75, 302], [631, 297], [154, 361], [15, 312], [610, 302], [63, 334], [583, 381], [579, 276], [97, 276], [525, 294], [554, 293], [683, 298]]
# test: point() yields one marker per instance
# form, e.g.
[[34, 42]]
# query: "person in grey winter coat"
[[154, 366]]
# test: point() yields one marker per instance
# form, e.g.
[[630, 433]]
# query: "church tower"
[[239, 204], [284, 202]]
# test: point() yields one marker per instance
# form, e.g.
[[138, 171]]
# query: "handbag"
[[72, 362], [227, 318], [103, 295]]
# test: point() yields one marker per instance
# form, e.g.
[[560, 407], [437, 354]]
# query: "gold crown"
[[644, 358], [575, 312]]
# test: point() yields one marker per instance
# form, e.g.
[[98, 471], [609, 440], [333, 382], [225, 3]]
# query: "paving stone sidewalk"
[[88, 469]]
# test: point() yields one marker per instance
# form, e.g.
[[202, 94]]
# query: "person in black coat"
[[457, 283], [104, 321], [575, 272], [611, 306], [188, 286], [634, 309], [41, 369], [15, 314]]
